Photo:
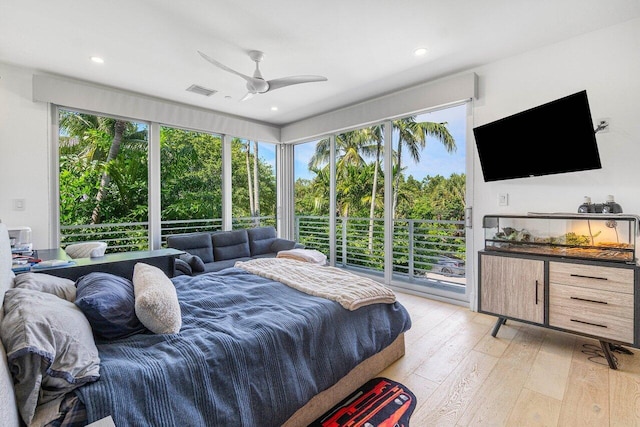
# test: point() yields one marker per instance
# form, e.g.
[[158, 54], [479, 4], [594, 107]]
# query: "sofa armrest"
[[299, 246]]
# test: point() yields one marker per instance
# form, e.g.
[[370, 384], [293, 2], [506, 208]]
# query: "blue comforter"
[[251, 351]]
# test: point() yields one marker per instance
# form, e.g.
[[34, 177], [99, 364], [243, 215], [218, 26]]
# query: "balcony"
[[426, 253]]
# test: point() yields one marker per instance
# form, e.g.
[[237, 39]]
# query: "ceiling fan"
[[257, 84]]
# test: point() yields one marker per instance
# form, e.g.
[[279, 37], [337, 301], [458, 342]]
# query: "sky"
[[435, 160]]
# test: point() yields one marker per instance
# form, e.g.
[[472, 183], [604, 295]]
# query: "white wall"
[[24, 165], [606, 63]]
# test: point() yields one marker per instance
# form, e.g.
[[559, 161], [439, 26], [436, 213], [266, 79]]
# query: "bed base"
[[366, 370]]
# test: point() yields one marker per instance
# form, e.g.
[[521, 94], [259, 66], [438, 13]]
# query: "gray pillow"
[[183, 267], [58, 286], [282, 245], [50, 347], [195, 262]]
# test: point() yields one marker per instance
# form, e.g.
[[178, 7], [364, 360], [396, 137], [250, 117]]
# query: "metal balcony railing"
[[422, 249], [123, 237]]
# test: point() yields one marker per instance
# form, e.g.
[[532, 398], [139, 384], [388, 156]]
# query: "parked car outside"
[[448, 266]]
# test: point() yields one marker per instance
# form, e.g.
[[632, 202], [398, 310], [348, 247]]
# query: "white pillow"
[[156, 300], [86, 250]]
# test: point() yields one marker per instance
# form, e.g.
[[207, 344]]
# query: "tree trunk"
[[256, 186], [374, 190], [397, 178], [250, 187], [118, 131]]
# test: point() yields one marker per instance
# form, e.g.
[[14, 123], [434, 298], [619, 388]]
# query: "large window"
[[104, 191], [429, 198], [254, 183], [191, 181], [103, 180], [311, 188], [425, 172]]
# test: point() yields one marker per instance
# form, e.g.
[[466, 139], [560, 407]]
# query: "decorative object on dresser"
[[572, 272]]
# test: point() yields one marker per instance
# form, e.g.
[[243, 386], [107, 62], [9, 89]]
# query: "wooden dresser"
[[590, 298], [597, 298]]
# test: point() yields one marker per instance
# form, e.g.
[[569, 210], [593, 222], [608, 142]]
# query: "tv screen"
[[552, 138]]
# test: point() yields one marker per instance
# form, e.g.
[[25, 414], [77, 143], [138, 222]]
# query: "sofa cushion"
[[230, 245], [221, 265], [260, 240], [195, 243]]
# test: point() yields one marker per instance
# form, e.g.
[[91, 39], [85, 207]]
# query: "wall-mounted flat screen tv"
[[552, 138]]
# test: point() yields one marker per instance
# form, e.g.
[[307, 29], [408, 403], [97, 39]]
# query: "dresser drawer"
[[600, 313], [619, 280]]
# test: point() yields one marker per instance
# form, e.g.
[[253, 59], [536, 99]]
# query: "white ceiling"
[[364, 47]]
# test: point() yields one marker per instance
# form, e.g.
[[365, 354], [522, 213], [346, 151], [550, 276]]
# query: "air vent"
[[201, 90]]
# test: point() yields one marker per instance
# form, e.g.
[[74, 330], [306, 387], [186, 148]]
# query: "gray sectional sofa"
[[214, 251]]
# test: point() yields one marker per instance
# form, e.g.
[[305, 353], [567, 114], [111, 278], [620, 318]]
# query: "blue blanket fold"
[[251, 351]]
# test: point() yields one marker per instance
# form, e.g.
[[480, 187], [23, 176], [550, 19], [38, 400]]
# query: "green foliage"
[[191, 169], [191, 173], [191, 182]]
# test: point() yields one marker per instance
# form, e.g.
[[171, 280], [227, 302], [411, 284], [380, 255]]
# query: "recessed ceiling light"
[[274, 108], [97, 60], [420, 51]]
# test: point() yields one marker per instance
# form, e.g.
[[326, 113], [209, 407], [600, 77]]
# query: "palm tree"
[[376, 136], [252, 205], [93, 131], [256, 186], [413, 135], [353, 146]]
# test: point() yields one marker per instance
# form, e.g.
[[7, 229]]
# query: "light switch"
[[503, 199], [18, 204]]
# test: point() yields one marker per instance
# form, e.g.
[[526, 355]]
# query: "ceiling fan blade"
[[224, 67], [293, 80], [249, 95]]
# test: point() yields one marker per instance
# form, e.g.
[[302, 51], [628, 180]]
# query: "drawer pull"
[[536, 292], [588, 323], [589, 277], [589, 300]]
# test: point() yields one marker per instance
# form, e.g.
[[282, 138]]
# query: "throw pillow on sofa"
[[194, 261]]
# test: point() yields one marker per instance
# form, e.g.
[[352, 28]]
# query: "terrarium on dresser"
[[606, 237]]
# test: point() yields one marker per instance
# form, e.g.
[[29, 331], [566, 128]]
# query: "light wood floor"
[[526, 376]]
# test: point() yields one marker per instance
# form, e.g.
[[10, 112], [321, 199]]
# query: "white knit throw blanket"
[[348, 289]]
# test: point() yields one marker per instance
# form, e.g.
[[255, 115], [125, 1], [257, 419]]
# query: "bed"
[[250, 351]]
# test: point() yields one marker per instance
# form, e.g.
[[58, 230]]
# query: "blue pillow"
[[108, 303]]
